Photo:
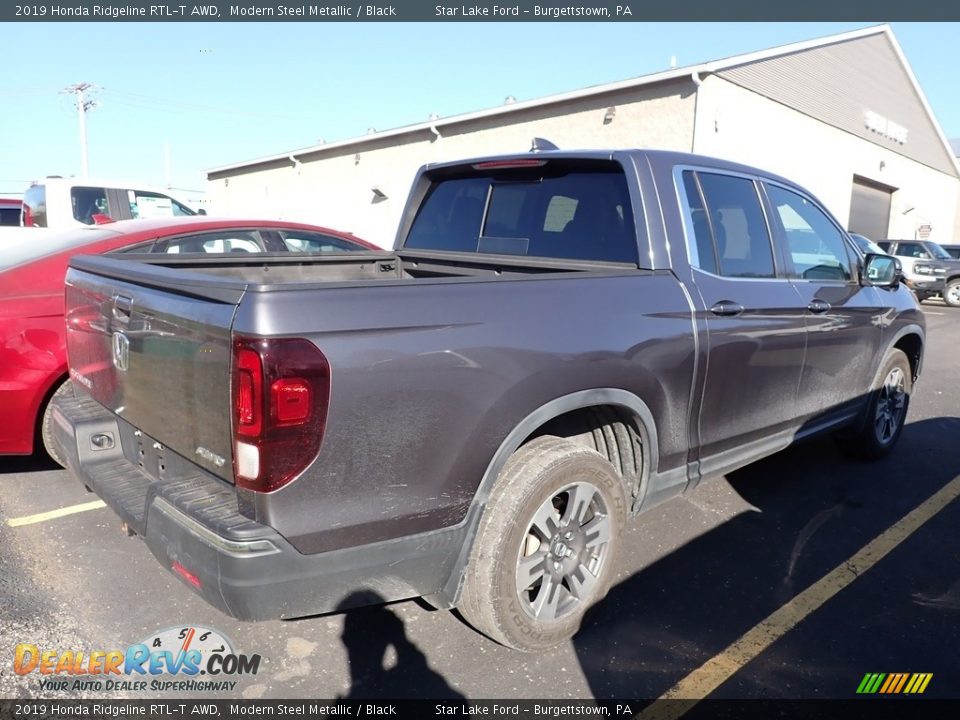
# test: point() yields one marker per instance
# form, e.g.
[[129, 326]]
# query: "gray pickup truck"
[[558, 342]]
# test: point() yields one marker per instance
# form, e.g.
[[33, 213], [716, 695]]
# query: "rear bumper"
[[247, 570]]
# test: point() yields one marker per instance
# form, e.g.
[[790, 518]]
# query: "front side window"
[[730, 232], [815, 243], [309, 242], [912, 250], [145, 204]]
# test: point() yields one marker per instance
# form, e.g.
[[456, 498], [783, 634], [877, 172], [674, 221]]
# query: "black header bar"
[[532, 11]]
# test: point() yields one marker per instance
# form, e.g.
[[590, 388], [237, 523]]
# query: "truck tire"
[[951, 293], [886, 411], [546, 545], [46, 424]]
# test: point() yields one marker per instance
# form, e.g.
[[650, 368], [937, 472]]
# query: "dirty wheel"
[[886, 411], [46, 424], [951, 293], [546, 546]]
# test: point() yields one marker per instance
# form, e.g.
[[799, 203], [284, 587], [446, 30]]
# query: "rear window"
[[581, 213]]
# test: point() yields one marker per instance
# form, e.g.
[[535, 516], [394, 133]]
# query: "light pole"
[[83, 105]]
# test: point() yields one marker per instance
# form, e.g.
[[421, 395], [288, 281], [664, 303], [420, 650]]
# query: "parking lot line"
[[53, 514], [717, 670]]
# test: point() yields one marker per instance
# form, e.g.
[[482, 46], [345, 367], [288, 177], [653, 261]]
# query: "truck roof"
[[656, 158]]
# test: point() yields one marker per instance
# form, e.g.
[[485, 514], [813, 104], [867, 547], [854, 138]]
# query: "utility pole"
[[83, 105]]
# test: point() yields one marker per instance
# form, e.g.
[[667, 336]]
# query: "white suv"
[[74, 202]]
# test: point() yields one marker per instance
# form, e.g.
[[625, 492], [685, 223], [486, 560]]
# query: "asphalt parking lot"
[[702, 579]]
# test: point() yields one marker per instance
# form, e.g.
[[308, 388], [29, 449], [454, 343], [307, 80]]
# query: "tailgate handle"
[[122, 306]]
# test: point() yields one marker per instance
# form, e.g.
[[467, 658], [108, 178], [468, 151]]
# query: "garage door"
[[870, 208]]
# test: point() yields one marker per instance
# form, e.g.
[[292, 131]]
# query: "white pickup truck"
[[62, 203]]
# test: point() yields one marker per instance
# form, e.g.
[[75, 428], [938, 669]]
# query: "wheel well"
[[612, 431], [912, 347]]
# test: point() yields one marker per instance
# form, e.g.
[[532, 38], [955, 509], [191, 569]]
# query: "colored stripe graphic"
[[894, 683]]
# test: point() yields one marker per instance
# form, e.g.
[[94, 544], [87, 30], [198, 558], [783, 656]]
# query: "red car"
[[33, 357]]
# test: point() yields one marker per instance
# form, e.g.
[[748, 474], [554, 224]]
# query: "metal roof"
[[713, 66]]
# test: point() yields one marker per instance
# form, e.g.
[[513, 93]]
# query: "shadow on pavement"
[[368, 635], [812, 508], [38, 462]]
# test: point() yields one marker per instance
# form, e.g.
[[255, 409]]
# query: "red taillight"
[[281, 390], [249, 392], [501, 164]]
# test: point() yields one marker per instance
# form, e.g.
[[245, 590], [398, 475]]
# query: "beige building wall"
[[335, 187], [743, 126]]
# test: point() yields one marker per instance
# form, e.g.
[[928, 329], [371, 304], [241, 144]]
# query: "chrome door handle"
[[819, 306], [726, 308]]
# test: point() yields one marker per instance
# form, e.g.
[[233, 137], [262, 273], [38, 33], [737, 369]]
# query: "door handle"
[[122, 307], [818, 307], [726, 308]]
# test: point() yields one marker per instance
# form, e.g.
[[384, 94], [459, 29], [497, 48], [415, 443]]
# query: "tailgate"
[[153, 346]]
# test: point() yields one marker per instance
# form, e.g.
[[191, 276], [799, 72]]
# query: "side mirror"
[[881, 271], [202, 211]]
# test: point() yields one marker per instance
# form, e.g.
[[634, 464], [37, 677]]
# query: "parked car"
[[952, 250], [10, 212], [929, 269], [557, 342], [33, 359], [58, 202]]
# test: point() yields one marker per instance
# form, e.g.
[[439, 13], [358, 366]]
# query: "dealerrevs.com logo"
[[172, 659]]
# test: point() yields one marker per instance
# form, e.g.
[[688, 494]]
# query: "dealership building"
[[842, 115]]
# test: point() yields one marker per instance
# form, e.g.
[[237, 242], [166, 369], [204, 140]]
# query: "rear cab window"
[[576, 210], [728, 233]]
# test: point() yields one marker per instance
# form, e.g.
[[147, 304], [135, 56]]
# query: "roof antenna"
[[539, 145]]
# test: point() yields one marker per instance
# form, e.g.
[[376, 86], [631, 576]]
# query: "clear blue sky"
[[227, 92]]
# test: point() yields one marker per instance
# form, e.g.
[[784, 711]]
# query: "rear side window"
[[551, 212], [729, 210], [226, 241], [88, 203]]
